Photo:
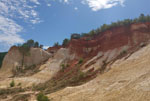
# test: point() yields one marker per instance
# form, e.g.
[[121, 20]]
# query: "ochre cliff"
[[131, 36], [110, 66]]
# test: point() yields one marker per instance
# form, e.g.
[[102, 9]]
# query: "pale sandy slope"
[[128, 80]]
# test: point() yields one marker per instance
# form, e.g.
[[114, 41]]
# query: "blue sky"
[[50, 21]]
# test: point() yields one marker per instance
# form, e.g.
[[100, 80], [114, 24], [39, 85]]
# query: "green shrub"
[[80, 61], [81, 75], [56, 44], [63, 66], [30, 43], [12, 84], [65, 42], [42, 97]]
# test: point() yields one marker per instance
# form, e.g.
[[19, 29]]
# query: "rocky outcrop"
[[53, 49], [46, 70], [109, 45], [114, 38], [14, 59]]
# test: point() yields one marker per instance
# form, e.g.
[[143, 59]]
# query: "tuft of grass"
[[12, 84], [42, 97], [80, 61], [63, 66]]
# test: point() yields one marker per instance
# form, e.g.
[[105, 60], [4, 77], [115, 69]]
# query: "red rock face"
[[53, 49], [132, 35]]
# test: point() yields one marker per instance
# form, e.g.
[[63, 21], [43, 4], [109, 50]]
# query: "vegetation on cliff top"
[[30, 43], [141, 19]]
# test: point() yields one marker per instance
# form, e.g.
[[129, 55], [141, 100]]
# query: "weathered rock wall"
[[131, 35], [14, 58]]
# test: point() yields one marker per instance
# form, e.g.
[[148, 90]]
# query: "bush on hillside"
[[64, 66], [42, 97], [80, 61], [56, 44], [12, 84]]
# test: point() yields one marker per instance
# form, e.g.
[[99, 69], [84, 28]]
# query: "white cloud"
[[23, 11], [96, 5], [48, 4], [19, 9], [8, 32], [10, 11], [46, 47], [76, 8], [35, 1], [63, 1], [66, 1]]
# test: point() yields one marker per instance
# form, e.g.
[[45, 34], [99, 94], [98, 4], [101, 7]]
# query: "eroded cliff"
[[110, 66]]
